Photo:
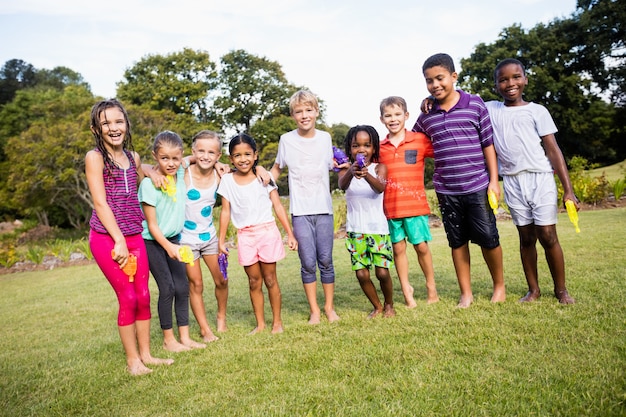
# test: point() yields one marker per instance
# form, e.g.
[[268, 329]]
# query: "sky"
[[350, 53]]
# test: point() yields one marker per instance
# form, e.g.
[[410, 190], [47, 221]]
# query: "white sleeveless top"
[[365, 207], [199, 204]]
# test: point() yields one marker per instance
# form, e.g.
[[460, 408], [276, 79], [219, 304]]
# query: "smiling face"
[[168, 158], [243, 157], [440, 83], [113, 127], [510, 82], [362, 144], [394, 118], [207, 152], [305, 115]]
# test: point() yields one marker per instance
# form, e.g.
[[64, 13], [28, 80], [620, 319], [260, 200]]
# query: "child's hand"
[[572, 197], [358, 171], [222, 168], [292, 242], [427, 104], [158, 180], [173, 251], [119, 253], [222, 247], [263, 175]]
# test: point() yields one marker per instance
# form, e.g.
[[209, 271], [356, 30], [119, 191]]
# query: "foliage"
[[618, 188], [250, 88], [587, 189], [178, 82], [505, 359], [559, 77]]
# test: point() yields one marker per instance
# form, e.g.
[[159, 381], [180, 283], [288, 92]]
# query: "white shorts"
[[532, 198]]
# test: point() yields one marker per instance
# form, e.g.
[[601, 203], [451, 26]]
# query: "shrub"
[[618, 188], [586, 188]]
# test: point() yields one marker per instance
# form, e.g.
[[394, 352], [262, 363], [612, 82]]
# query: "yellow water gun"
[[572, 213], [170, 187], [493, 201], [186, 254]]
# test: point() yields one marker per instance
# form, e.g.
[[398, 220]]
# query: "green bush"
[[588, 189], [618, 188]]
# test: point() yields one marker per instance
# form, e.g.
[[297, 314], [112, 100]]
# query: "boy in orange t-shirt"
[[405, 203]]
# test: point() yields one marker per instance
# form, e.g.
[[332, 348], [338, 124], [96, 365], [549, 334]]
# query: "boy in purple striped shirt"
[[465, 170]]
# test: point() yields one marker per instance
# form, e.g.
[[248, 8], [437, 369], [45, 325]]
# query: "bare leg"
[[134, 364], [310, 290], [329, 304], [528, 254], [221, 291], [142, 328], [402, 268], [556, 262], [171, 344], [273, 291], [386, 286], [255, 281], [196, 288], [363, 276], [425, 259], [461, 260], [493, 258]]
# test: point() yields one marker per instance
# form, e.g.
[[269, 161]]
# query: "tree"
[[179, 82], [14, 76], [250, 88]]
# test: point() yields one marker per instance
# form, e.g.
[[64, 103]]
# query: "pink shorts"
[[262, 243]]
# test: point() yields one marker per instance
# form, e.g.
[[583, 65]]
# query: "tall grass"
[[60, 353]]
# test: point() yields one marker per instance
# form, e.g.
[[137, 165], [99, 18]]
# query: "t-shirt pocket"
[[410, 156]]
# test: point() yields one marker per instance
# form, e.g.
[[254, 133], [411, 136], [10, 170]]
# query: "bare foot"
[[277, 328], [210, 337], [256, 330], [530, 297], [151, 360], [408, 298], [431, 296], [374, 313], [465, 302], [499, 295], [192, 344], [564, 297], [332, 316], [389, 311], [314, 318], [221, 325], [137, 367], [175, 347]]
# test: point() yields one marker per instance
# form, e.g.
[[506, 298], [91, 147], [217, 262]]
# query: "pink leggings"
[[133, 297]]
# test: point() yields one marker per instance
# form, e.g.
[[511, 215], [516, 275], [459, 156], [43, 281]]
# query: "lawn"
[[60, 353]]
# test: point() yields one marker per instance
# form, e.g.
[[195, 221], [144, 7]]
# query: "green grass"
[[612, 172], [60, 353]]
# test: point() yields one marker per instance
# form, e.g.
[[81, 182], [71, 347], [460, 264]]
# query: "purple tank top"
[[121, 195]]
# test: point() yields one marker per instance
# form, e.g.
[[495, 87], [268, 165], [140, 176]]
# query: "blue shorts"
[[467, 218], [414, 229]]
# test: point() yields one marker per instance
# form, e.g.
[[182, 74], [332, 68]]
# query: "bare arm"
[[275, 171], [224, 220], [555, 156], [94, 166], [281, 214], [492, 168]]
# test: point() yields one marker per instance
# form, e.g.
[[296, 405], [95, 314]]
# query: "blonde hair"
[[303, 97], [393, 101], [206, 134]]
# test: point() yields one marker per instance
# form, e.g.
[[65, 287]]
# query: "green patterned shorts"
[[369, 249]]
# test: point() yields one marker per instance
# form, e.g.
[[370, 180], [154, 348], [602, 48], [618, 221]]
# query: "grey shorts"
[[532, 198]]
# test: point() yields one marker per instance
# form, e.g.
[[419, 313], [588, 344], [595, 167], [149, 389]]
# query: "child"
[[202, 179], [405, 202], [165, 216], [368, 238], [248, 204], [465, 170], [112, 175], [308, 154], [528, 156]]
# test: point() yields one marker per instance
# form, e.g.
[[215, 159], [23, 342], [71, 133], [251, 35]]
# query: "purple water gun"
[[360, 160], [222, 261], [340, 156]]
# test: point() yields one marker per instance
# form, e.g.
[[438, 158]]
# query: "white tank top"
[[365, 207]]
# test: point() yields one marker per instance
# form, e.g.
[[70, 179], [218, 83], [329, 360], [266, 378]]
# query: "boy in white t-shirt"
[[307, 152], [528, 157]]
